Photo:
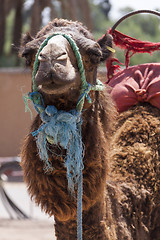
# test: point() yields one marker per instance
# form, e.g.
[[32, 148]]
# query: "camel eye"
[[42, 57], [62, 57]]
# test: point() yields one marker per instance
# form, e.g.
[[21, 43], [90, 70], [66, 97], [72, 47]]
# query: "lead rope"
[[39, 105]]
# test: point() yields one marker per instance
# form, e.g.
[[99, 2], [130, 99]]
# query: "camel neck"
[[67, 230]]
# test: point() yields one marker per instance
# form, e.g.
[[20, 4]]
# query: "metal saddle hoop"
[[132, 14]]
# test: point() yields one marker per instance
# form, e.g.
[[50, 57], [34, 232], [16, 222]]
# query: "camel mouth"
[[53, 84], [53, 88], [53, 79]]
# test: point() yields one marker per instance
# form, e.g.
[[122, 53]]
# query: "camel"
[[59, 83], [121, 165]]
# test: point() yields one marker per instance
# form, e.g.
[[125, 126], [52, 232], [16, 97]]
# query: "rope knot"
[[85, 93], [63, 129]]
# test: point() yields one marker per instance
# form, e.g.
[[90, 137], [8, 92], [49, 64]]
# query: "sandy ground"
[[38, 227], [26, 230]]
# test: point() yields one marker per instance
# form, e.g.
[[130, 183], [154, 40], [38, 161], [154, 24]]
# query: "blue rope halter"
[[63, 128]]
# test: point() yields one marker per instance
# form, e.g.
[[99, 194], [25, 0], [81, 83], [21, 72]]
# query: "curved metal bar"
[[132, 14]]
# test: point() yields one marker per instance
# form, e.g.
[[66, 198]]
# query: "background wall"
[[14, 122]]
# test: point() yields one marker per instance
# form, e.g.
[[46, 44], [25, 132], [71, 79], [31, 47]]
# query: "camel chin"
[[56, 89]]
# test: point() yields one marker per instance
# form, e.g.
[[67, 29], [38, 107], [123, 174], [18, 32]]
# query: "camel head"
[[58, 72], [58, 69]]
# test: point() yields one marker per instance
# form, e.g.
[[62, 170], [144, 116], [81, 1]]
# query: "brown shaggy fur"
[[51, 191], [133, 193]]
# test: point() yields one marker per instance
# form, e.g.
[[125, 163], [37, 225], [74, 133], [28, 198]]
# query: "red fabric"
[[111, 68], [136, 84], [132, 44]]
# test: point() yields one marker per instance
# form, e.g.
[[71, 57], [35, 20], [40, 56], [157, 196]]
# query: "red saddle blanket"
[[140, 83]]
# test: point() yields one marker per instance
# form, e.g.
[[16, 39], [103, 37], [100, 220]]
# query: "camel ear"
[[90, 47], [26, 38], [94, 52], [106, 42], [28, 49]]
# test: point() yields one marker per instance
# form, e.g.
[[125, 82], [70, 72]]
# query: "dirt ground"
[[38, 227], [26, 230]]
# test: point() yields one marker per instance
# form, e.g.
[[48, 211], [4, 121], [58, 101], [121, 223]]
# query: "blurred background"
[[20, 16]]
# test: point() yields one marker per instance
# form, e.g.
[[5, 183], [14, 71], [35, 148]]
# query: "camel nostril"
[[62, 56]]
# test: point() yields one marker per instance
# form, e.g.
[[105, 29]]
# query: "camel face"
[[58, 75], [58, 71]]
